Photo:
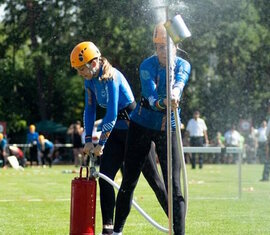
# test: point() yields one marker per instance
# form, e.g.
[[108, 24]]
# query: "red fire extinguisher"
[[83, 204]]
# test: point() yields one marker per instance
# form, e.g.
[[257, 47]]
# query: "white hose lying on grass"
[[138, 208]]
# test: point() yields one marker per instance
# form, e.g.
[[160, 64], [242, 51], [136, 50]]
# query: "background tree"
[[228, 50]]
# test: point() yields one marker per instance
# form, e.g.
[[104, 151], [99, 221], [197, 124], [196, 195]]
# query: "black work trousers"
[[111, 161], [138, 145], [46, 157], [33, 152], [266, 169], [196, 141]]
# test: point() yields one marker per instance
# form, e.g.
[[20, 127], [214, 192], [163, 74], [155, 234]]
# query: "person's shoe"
[[264, 180], [107, 229]]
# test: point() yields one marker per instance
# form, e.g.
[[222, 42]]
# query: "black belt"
[[145, 103], [123, 114]]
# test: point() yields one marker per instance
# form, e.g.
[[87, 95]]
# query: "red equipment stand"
[[83, 205]]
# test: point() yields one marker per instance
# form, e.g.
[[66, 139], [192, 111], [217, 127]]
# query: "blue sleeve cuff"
[[88, 139], [160, 104], [103, 138]]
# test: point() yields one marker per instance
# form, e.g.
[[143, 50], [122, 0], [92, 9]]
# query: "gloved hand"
[[174, 102], [175, 98], [98, 150], [88, 147]]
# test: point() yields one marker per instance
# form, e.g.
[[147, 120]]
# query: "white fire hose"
[[137, 207], [182, 157], [96, 174]]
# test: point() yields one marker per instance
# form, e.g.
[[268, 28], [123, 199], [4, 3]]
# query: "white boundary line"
[[36, 200], [213, 198]]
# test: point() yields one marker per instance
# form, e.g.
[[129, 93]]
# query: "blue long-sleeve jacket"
[[113, 94], [3, 144], [32, 138], [153, 89], [47, 145]]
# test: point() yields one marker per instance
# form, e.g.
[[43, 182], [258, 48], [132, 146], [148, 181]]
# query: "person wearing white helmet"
[[107, 87], [148, 123]]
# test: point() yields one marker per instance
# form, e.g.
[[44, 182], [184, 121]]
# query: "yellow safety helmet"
[[83, 53], [1, 136], [160, 34], [41, 138], [32, 128]]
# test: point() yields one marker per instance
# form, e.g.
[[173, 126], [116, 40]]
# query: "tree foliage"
[[228, 51]]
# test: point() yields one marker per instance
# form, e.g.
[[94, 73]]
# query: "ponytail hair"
[[108, 70]]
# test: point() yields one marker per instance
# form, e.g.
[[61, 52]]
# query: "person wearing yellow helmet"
[[32, 140], [107, 87], [3, 144], [148, 123]]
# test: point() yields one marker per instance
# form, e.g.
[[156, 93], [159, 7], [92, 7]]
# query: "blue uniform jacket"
[[113, 94], [153, 89], [3, 144], [32, 138], [48, 145]]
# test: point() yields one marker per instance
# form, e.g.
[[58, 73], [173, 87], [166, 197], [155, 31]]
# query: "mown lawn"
[[37, 201]]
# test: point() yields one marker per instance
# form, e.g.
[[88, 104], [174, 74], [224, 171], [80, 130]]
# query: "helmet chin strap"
[[93, 71]]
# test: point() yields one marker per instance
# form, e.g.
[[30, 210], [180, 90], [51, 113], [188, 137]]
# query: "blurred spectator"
[[186, 143], [57, 152], [46, 149], [262, 142], [219, 141], [266, 169], [197, 131], [232, 139], [251, 145], [18, 153], [3, 153], [75, 131], [32, 139]]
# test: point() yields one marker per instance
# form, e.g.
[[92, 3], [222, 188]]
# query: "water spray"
[[176, 31]]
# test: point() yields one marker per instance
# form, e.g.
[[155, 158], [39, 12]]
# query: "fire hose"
[[137, 207], [97, 174], [182, 157]]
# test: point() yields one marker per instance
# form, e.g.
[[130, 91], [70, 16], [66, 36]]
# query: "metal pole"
[[169, 132]]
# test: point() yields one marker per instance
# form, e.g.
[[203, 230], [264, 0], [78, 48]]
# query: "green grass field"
[[37, 201]]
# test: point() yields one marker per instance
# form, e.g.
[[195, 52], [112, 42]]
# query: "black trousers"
[[196, 142], [138, 145], [261, 152], [33, 152], [111, 161], [266, 168], [2, 158], [45, 157]]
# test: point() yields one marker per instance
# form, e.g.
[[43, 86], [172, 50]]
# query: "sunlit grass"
[[37, 201]]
